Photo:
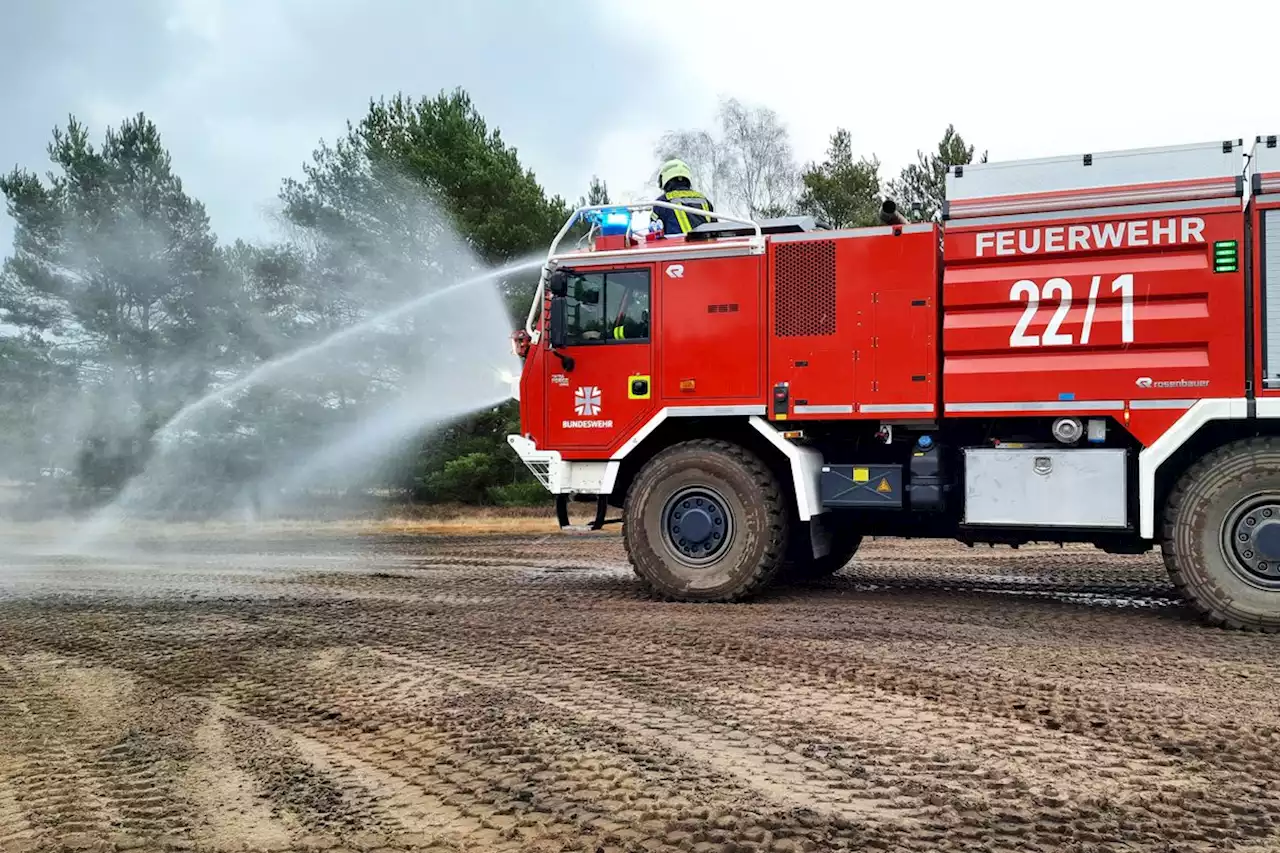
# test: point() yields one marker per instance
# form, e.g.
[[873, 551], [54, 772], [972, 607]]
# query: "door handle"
[[638, 387]]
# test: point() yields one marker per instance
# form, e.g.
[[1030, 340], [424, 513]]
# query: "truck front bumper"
[[565, 476]]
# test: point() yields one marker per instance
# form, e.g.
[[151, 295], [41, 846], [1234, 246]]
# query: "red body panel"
[[533, 395], [904, 322], [880, 349], [849, 320], [589, 410], [711, 331], [706, 347], [1036, 312], [820, 368]]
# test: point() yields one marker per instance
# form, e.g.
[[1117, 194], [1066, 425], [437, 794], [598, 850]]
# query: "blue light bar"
[[614, 220]]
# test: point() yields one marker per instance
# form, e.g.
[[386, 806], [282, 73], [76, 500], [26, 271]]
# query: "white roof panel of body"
[[1135, 176], [1264, 166]]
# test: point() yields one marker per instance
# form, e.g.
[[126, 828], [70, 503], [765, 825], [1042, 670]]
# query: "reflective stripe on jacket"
[[679, 221]]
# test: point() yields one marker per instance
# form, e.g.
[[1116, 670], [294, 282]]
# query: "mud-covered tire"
[[1200, 514], [802, 566], [749, 503]]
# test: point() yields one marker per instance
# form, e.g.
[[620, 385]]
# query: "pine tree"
[[117, 263], [841, 191], [921, 188]]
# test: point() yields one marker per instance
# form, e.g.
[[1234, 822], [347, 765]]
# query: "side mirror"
[[558, 333], [558, 283]]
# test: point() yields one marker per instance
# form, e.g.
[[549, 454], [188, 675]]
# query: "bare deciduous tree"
[[747, 168], [703, 153]]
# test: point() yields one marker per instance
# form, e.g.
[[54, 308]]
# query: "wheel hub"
[[1254, 529], [697, 525]]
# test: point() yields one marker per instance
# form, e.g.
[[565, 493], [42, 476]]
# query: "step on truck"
[[1084, 349]]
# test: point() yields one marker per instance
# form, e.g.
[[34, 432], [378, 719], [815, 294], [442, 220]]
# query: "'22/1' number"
[[1060, 288]]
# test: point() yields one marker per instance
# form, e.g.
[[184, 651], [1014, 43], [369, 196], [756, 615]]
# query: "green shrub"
[[527, 493]]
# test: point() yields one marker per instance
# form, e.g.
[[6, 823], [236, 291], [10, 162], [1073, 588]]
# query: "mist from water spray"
[[470, 370], [315, 368], [282, 364]]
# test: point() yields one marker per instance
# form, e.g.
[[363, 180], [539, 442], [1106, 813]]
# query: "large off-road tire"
[[705, 520], [802, 566], [1221, 538]]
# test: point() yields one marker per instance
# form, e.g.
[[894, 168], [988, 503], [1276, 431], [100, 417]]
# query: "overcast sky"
[[243, 91]]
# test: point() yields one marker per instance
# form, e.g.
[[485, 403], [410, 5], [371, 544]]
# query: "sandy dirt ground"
[[520, 692]]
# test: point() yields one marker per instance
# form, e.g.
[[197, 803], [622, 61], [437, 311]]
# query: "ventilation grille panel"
[[804, 300]]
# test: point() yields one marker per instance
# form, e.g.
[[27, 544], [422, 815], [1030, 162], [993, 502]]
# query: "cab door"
[[608, 393]]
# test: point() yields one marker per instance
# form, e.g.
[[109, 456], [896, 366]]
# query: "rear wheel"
[[705, 521], [1221, 539]]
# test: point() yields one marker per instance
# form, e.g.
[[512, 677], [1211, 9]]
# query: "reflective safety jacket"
[[678, 221], [630, 330]]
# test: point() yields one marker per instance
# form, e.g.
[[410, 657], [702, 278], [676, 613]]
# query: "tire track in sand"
[[755, 763], [229, 811], [1050, 785], [45, 745], [547, 772], [954, 710], [16, 832]]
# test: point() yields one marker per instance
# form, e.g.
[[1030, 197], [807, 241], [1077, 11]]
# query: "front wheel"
[[705, 520], [1221, 541]]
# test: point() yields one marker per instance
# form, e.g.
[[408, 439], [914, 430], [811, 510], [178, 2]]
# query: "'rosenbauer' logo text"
[[1148, 382]]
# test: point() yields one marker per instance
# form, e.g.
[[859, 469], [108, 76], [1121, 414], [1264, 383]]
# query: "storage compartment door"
[[1051, 487], [1270, 239]]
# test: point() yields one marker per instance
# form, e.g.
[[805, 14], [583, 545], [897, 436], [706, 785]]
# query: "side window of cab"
[[608, 307]]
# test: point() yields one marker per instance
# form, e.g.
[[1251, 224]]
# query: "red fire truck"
[[1085, 349]]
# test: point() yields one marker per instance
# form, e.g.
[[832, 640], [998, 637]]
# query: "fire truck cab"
[[1085, 349]]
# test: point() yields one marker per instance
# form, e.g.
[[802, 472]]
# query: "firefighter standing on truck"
[[677, 187]]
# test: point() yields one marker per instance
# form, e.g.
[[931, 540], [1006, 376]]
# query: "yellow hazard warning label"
[[861, 475], [884, 485]]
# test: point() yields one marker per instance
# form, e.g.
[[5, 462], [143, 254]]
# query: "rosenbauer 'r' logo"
[[1145, 382], [675, 271]]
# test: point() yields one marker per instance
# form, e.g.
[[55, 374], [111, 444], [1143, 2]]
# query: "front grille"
[[541, 470]]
